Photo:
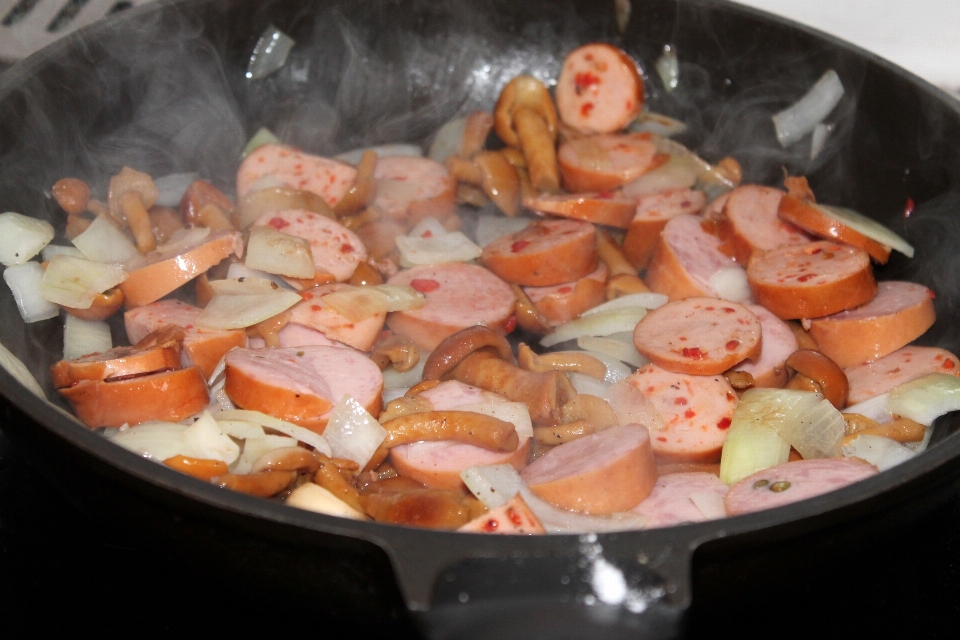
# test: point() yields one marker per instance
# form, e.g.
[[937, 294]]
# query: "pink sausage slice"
[[336, 250], [313, 313], [901, 312], [794, 481], [700, 336], [458, 296], [546, 253], [606, 207], [564, 302], [652, 214], [410, 189], [603, 473], [878, 377], [293, 168], [297, 335], [685, 258], [696, 413], [513, 517], [750, 222], [604, 162], [600, 89], [770, 369], [672, 500]]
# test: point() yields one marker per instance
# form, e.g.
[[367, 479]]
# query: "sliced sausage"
[[513, 517], [157, 274], [605, 162], [750, 223], [606, 207], [684, 259], [811, 280], [770, 369], [603, 473], [651, 216], [901, 312], [201, 347], [546, 253], [293, 168], [410, 189], [313, 313], [877, 377], [794, 481], [600, 89], [672, 500], [700, 336], [458, 296], [168, 395], [812, 219], [453, 394], [336, 250], [302, 384], [564, 302], [696, 412], [118, 362], [297, 335]]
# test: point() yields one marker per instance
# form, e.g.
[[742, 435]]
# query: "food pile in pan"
[[335, 336]]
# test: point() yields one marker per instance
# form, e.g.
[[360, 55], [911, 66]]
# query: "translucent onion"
[[254, 448], [881, 452], [679, 172], [668, 68], [75, 282], [809, 423], [868, 227], [452, 247], [305, 436], [448, 140], [170, 188], [650, 122], [204, 440], [82, 337], [749, 448], [493, 485], [239, 304], [382, 151], [103, 242], [51, 250], [22, 237], [601, 323], [279, 253], [588, 384], [313, 497], [24, 282], [357, 303], [621, 351], [557, 520], [352, 432], [183, 239], [156, 440], [15, 367], [261, 137], [709, 503], [491, 226], [876, 408], [238, 270], [429, 227], [516, 413], [819, 139], [927, 398], [242, 429], [644, 300], [802, 117], [730, 283]]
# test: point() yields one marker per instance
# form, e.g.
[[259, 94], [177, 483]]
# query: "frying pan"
[[163, 88]]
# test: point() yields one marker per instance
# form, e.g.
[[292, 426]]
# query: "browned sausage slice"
[[293, 168], [811, 280], [513, 517], [750, 223], [605, 162], [779, 341], [546, 253], [672, 500], [794, 481], [118, 362], [901, 312], [607, 207], [600, 89], [810, 218], [564, 302], [686, 256], [699, 336], [877, 377], [410, 189], [652, 214], [603, 473]]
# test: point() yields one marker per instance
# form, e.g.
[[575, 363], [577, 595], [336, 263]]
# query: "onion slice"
[[305, 436], [750, 447], [270, 53], [802, 117], [646, 300], [255, 447], [668, 68], [730, 283], [452, 247], [15, 367], [82, 337], [650, 122], [75, 282], [448, 140], [24, 282], [602, 323], [927, 398], [868, 227], [184, 239], [805, 419], [352, 432], [261, 137], [103, 242], [621, 351], [881, 452], [279, 253], [493, 485], [357, 303], [22, 237], [242, 303]]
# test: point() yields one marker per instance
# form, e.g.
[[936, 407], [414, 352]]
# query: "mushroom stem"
[[139, 221], [560, 361]]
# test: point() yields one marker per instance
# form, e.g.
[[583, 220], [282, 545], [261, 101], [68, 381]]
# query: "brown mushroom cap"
[[461, 344]]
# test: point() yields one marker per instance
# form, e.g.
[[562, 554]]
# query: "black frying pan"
[[162, 88]]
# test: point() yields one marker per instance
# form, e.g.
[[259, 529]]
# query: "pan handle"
[[605, 584]]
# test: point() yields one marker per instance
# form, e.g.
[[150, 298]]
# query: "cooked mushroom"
[[132, 193], [363, 190], [577, 361], [817, 372], [526, 118]]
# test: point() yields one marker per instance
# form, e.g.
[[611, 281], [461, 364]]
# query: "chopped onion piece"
[[22, 237], [809, 423], [645, 300], [82, 337], [270, 53], [75, 282], [393, 379], [668, 68], [602, 323], [183, 239], [710, 504], [819, 139], [650, 122], [631, 407], [15, 367], [452, 247], [493, 485], [357, 303], [588, 384], [24, 282], [448, 140], [750, 447], [238, 270], [170, 188], [261, 137], [241, 429], [156, 440], [51, 250], [279, 253], [868, 227], [730, 283], [557, 520], [881, 452], [679, 172], [802, 117], [205, 440], [927, 398], [382, 151], [610, 347], [352, 432], [103, 242], [491, 226], [254, 448], [305, 436], [429, 227], [313, 497], [876, 408], [515, 413], [238, 304]]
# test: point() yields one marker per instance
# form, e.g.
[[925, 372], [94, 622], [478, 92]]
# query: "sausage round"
[[564, 302], [604, 162], [750, 223], [313, 313], [779, 341], [684, 259], [670, 502], [812, 219], [603, 473], [118, 362], [336, 250], [877, 377], [610, 208], [651, 216], [546, 253], [410, 189], [600, 89], [293, 168]]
